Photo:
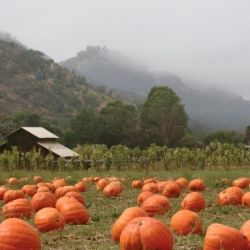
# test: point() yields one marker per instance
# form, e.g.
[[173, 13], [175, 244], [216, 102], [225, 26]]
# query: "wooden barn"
[[28, 138]]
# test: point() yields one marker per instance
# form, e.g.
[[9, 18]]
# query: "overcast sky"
[[205, 40]]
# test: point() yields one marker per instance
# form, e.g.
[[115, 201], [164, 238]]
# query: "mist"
[[206, 42]]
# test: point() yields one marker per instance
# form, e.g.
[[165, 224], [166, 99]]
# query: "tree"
[[118, 124], [247, 135], [163, 117]]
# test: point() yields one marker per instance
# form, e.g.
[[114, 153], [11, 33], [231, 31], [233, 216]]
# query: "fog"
[[207, 41]]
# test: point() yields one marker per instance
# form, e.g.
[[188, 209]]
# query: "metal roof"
[[58, 149], [40, 132]]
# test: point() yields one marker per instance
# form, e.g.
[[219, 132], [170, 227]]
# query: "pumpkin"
[[101, 184], [38, 179], [219, 236], [46, 184], [17, 234], [127, 215], [245, 200], [61, 191], [48, 219], [59, 183], [146, 233], [80, 186], [242, 182], [161, 185], [196, 185], [3, 189], [63, 200], [29, 190], [43, 199], [17, 208], [152, 187], [245, 230], [193, 201], [182, 182], [231, 195], [186, 222], [143, 196], [113, 189], [156, 204], [149, 180], [12, 181], [75, 195], [171, 189], [73, 211], [11, 195], [137, 184], [43, 189]]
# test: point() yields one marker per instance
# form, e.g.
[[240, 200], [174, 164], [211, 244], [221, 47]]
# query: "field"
[[104, 211]]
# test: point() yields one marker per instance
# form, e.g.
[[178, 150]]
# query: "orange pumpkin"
[[72, 210], [219, 236], [242, 182], [146, 233], [75, 195], [43, 189], [11, 195], [101, 184], [3, 189], [171, 189], [186, 222], [12, 181], [61, 191], [150, 180], [161, 185], [38, 179], [152, 187], [80, 186], [46, 184], [29, 190], [182, 182], [137, 184], [193, 201], [156, 204], [245, 230], [17, 208], [59, 183], [113, 189], [231, 195], [17, 234], [143, 196], [48, 219], [245, 200], [127, 215], [43, 199], [196, 185]]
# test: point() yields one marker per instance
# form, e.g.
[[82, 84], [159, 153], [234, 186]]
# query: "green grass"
[[96, 234]]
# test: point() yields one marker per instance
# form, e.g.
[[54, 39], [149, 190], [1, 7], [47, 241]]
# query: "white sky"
[[205, 40]]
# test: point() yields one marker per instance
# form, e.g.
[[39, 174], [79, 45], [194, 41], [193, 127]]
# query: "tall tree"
[[118, 124], [163, 117]]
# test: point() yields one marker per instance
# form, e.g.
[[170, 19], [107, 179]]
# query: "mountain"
[[209, 109], [32, 82]]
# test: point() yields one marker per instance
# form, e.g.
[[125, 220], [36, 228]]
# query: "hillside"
[[32, 82], [209, 109]]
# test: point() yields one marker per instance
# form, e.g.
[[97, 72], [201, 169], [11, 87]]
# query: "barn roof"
[[58, 149], [38, 132]]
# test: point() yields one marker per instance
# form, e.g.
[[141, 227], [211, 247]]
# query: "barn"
[[28, 138]]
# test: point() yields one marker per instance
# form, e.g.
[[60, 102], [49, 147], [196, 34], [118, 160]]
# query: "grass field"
[[104, 211]]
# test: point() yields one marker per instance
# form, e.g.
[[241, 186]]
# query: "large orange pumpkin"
[[48, 219], [161, 185], [43, 199], [182, 182], [156, 204], [12, 181], [127, 215], [186, 222], [17, 208], [245, 230], [73, 211], [29, 190], [17, 234], [245, 200], [81, 186], [59, 183], [242, 182], [219, 237], [196, 185], [171, 189], [231, 195], [137, 184], [193, 201], [146, 233], [11, 195], [46, 184], [152, 187], [75, 195], [150, 180], [143, 196], [38, 179], [113, 189], [3, 189], [61, 191], [101, 184]]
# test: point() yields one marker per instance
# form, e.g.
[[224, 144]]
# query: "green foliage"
[[163, 117]]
